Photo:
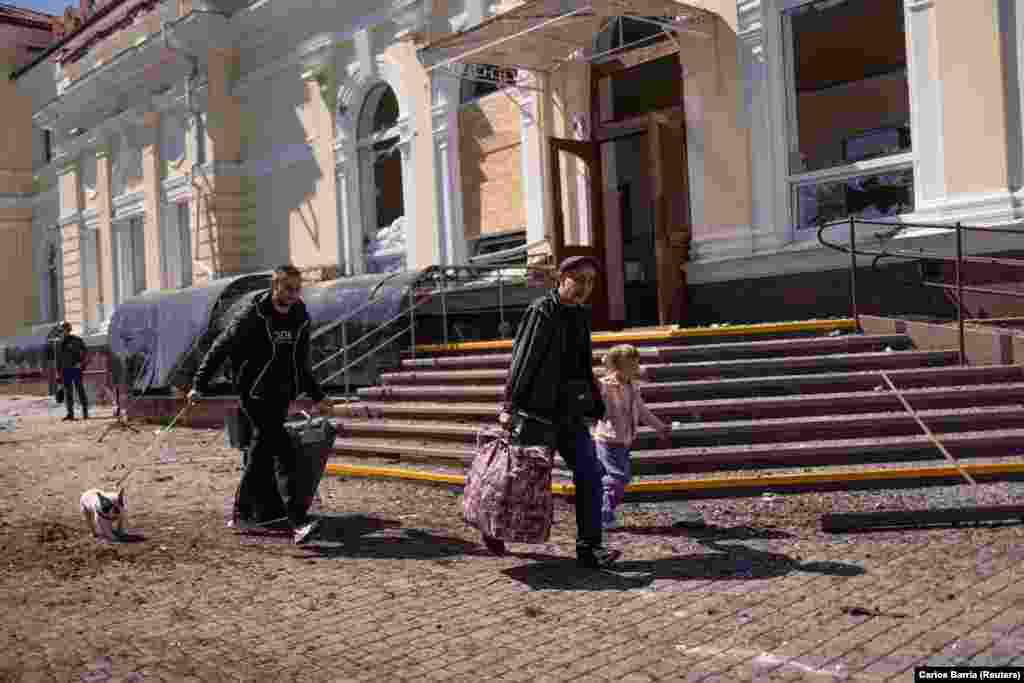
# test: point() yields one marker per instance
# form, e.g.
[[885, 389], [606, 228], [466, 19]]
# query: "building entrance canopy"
[[542, 35]]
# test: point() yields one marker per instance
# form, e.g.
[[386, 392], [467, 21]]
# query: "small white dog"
[[104, 513]]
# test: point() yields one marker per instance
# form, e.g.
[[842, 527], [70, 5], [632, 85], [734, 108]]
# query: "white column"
[[449, 186], [350, 242], [408, 190], [533, 140], [757, 110], [925, 85]]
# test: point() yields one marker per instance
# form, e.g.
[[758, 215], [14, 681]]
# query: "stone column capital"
[[67, 165], [323, 73]]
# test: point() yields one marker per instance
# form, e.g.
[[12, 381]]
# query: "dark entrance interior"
[[641, 131]]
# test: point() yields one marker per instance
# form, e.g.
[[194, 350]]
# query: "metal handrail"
[[367, 335], [921, 257], [431, 282]]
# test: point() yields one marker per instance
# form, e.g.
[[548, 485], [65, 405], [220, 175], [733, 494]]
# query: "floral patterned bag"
[[508, 491]]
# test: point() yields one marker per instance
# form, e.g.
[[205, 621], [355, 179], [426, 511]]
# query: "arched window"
[[383, 202]]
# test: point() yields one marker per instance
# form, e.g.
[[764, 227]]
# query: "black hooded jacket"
[[248, 342], [549, 334]]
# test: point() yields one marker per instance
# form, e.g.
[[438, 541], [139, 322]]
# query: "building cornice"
[[319, 48]]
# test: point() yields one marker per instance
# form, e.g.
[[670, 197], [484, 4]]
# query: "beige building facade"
[[686, 145]]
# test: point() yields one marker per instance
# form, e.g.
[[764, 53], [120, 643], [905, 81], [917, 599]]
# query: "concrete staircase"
[[789, 401]]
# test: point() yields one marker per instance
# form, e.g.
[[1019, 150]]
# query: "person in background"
[[268, 344], [72, 356], [552, 378]]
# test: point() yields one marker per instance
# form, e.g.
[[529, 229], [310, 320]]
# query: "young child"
[[613, 436]]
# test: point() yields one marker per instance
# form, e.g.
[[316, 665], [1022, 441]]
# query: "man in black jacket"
[[268, 344], [71, 358], [552, 378]]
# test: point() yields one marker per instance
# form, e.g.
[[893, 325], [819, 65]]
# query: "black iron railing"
[[956, 289], [435, 283]]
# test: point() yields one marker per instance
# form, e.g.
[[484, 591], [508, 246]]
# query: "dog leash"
[[159, 437]]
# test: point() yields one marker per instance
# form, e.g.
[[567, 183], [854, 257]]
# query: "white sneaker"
[[303, 533]]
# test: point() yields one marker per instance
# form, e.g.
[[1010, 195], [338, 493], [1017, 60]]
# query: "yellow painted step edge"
[[682, 485], [665, 334]]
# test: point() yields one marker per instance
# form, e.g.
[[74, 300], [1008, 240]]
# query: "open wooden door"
[[670, 197], [594, 244]]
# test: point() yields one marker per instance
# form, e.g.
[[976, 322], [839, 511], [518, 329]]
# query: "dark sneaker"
[[69, 418], [304, 533], [495, 545], [597, 558], [245, 526]]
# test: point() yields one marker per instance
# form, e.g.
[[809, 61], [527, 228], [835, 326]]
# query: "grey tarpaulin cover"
[[158, 338]]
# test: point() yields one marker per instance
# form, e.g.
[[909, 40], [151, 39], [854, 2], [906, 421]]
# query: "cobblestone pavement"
[[399, 589]]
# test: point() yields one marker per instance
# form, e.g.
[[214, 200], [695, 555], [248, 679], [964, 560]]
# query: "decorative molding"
[[173, 139], [69, 219], [177, 188], [459, 22], [129, 205], [323, 73], [91, 219], [16, 201], [89, 174], [411, 17]]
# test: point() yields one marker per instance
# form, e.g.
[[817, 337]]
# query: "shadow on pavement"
[[373, 537], [729, 562], [710, 531]]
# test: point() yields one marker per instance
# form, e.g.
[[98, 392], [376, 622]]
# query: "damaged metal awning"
[[542, 35]]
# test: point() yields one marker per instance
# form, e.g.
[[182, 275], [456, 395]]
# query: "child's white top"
[[624, 411]]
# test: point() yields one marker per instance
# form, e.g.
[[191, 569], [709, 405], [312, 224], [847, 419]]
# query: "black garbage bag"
[[314, 443]]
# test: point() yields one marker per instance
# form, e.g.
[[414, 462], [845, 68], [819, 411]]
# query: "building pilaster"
[[105, 238], [70, 243], [152, 180], [17, 278]]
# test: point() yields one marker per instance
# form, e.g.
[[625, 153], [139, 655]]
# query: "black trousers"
[[268, 487], [72, 378]]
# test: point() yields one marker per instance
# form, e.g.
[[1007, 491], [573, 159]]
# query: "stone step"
[[963, 445], [672, 336], [734, 387], [720, 433], [743, 408], [711, 369], [666, 353]]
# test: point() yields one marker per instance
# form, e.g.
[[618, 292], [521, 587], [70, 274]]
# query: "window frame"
[[788, 127]]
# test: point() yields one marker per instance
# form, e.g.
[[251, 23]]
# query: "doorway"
[[645, 203], [626, 166]]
